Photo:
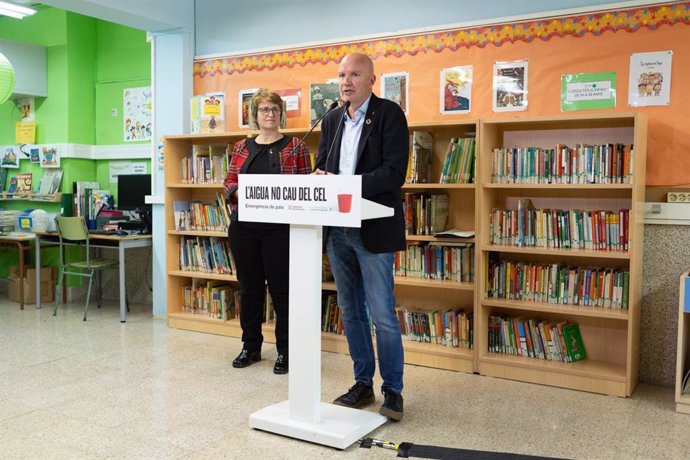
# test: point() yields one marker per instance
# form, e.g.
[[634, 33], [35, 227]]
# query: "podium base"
[[339, 427]]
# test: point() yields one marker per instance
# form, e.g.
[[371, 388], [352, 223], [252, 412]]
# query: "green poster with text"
[[585, 91]]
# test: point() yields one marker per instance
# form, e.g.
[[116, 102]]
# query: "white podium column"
[[303, 415], [305, 328]]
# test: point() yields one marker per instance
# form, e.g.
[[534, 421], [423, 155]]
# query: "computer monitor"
[[131, 196]]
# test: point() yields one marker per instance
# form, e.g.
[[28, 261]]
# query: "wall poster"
[[650, 79], [136, 114], [456, 89], [394, 88], [510, 86], [585, 91]]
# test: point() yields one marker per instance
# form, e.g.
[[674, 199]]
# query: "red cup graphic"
[[344, 202]]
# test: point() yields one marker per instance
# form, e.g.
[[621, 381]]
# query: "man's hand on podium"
[[319, 172]]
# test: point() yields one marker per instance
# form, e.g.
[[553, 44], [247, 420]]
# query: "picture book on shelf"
[[13, 185], [50, 182], [574, 345], [3, 179], [99, 199], [24, 182], [419, 164], [182, 214]]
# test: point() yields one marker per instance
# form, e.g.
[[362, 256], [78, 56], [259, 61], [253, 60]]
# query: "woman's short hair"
[[263, 95]]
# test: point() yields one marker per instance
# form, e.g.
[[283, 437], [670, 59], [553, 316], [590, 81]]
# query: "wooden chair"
[[74, 229]]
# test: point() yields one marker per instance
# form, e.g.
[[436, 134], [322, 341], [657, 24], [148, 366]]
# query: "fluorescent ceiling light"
[[15, 11]]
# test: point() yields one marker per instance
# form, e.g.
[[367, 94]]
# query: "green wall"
[[89, 64]]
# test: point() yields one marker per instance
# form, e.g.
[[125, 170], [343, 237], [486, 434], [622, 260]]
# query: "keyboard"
[[107, 232]]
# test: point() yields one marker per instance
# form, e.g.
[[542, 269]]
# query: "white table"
[[119, 242], [22, 240]]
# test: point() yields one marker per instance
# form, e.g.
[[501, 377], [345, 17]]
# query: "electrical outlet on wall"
[[678, 197]]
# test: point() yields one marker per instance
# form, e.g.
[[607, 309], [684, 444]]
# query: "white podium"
[[307, 203]]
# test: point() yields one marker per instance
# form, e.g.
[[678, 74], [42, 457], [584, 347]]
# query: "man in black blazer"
[[368, 136]]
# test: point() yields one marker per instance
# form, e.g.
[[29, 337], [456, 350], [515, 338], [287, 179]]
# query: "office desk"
[[96, 241], [22, 241]]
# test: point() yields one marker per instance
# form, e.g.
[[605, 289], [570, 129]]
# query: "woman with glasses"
[[261, 250]]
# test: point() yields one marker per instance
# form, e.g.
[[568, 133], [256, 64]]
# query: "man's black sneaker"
[[392, 405], [357, 396], [281, 365], [246, 358]]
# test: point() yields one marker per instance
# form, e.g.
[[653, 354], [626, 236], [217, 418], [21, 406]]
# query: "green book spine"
[[626, 287], [573, 342]]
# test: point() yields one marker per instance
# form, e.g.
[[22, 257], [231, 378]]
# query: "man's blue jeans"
[[365, 281]]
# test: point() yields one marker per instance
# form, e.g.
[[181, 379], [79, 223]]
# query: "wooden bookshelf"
[[611, 336], [410, 292]]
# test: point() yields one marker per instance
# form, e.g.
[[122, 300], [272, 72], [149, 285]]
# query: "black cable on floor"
[[408, 449]]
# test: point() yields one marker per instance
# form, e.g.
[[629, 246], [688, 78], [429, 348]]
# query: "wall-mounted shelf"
[[30, 196]]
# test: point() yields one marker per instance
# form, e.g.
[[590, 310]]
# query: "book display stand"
[[306, 203]]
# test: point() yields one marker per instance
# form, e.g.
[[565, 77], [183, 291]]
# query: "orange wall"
[[668, 148]]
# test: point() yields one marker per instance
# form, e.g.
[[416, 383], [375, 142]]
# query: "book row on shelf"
[[559, 228], [219, 300], [436, 261], [420, 159], [536, 338], [584, 164], [450, 328], [215, 299], [196, 215], [459, 162], [22, 184], [558, 284], [205, 164], [205, 254], [425, 214]]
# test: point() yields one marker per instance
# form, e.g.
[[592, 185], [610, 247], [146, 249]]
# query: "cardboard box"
[[28, 281]]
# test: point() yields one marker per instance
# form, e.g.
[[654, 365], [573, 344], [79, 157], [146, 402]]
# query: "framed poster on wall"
[[456, 89]]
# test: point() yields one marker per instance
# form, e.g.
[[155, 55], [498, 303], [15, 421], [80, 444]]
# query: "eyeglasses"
[[267, 110]]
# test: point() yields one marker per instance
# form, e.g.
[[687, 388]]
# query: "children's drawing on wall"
[[510, 86], [456, 89], [213, 113], [650, 78], [394, 88], [245, 97], [137, 108], [322, 95], [35, 154], [27, 108], [50, 156], [9, 156]]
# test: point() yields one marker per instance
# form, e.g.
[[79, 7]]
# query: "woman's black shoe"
[[246, 358], [281, 365]]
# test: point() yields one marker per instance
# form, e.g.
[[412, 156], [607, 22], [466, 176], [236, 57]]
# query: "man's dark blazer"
[[382, 157]]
